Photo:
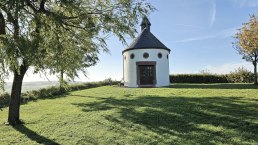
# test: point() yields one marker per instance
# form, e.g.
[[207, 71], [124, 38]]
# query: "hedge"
[[234, 77], [198, 78], [51, 92]]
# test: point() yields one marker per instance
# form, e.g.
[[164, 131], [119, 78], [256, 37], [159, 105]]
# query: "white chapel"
[[146, 60]]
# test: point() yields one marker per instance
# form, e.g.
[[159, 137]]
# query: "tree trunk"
[[61, 81], [14, 105], [255, 72]]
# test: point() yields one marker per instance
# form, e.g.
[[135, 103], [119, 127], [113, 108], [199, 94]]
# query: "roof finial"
[[145, 23]]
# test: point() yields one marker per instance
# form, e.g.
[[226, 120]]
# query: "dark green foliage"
[[198, 78], [240, 75], [4, 100], [219, 86]]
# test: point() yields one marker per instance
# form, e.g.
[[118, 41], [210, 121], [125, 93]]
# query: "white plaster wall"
[[162, 66]]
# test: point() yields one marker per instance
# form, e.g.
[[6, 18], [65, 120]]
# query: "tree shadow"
[[34, 136], [213, 86], [84, 96], [199, 120]]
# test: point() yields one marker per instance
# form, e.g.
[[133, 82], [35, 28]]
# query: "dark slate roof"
[[146, 40]]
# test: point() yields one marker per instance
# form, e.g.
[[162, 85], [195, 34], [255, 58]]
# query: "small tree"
[[63, 36], [247, 42]]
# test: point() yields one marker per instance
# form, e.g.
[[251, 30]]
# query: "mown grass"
[[181, 114]]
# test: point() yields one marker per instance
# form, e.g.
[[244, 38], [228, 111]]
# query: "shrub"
[[55, 90], [240, 75], [42, 93], [4, 100]]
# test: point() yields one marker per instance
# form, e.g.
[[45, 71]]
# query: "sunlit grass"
[[181, 114]]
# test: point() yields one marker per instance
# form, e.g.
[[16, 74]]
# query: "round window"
[[132, 56], [146, 55], [159, 55]]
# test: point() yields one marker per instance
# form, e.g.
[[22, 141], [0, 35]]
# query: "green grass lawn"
[[181, 114]]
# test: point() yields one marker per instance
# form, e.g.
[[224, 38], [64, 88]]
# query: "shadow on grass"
[[223, 120], [214, 86], [34, 136]]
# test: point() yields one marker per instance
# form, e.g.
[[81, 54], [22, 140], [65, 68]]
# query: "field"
[[28, 86], [181, 114]]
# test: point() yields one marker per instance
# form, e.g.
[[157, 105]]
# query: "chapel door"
[[146, 73]]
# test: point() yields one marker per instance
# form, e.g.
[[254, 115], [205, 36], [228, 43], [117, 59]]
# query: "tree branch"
[[2, 24]]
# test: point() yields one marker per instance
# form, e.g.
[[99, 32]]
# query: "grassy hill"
[[182, 114]]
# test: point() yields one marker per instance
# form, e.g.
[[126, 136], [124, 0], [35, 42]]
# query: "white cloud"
[[184, 26], [228, 67], [196, 38], [229, 32], [213, 13]]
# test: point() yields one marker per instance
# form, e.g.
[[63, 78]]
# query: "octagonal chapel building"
[[146, 60]]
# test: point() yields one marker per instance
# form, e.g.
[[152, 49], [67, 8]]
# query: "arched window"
[[145, 55]]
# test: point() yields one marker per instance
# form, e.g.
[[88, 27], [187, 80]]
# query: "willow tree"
[[247, 42], [69, 58], [59, 35]]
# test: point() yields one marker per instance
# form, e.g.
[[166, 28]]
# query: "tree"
[[247, 42], [62, 36]]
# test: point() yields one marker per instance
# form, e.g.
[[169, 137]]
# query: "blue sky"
[[198, 32]]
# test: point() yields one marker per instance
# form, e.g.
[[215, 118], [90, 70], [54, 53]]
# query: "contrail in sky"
[[213, 13]]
